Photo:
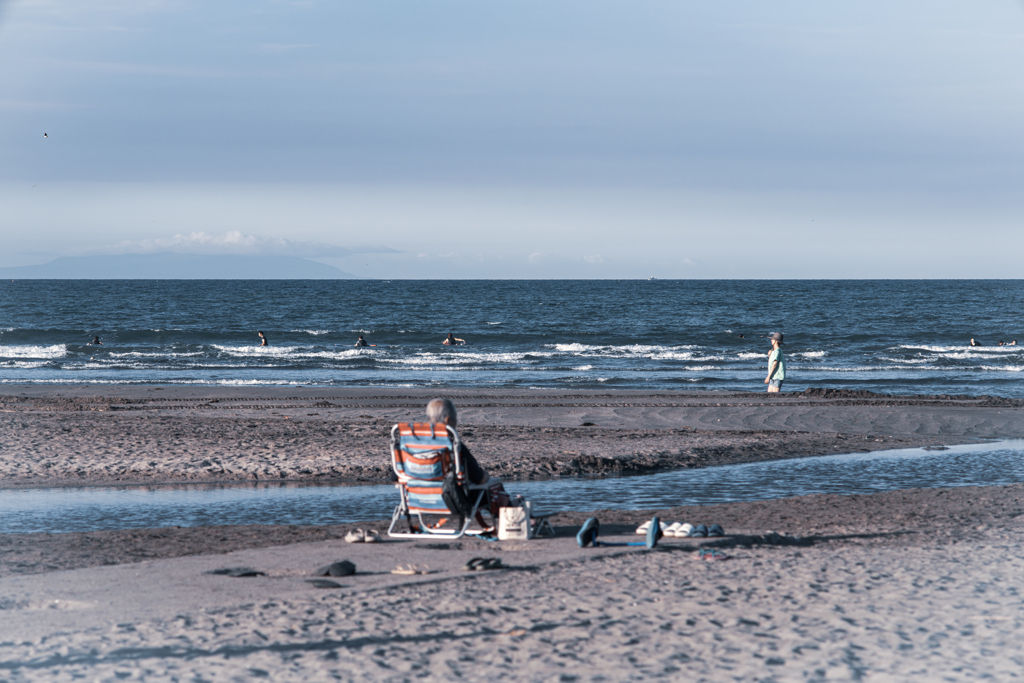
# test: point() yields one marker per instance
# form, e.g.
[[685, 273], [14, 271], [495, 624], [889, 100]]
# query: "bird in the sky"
[[45, 135]]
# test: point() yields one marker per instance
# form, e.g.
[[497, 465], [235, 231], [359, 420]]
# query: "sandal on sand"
[[671, 529], [684, 530], [642, 529], [654, 532], [479, 564], [588, 532], [714, 555], [324, 583], [237, 572], [355, 536], [716, 530], [411, 569], [699, 531], [371, 536], [491, 563], [341, 568]]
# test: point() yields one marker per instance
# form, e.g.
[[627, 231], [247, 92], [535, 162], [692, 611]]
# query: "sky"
[[468, 139]]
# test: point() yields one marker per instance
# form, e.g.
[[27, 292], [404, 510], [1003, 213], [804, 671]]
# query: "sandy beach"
[[903, 585], [80, 435]]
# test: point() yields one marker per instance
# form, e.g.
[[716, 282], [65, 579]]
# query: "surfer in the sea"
[[452, 340], [95, 341], [263, 337], [362, 342]]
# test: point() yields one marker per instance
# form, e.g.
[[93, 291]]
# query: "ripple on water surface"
[[97, 508]]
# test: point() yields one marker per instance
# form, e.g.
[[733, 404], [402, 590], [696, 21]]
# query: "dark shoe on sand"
[[699, 531], [237, 572], [324, 583], [588, 532], [341, 568], [716, 530]]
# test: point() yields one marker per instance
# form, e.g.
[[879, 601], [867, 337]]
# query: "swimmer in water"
[[1012, 343], [452, 340], [95, 341], [1002, 343], [974, 343], [362, 342], [263, 337]]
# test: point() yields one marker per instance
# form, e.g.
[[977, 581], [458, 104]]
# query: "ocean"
[[892, 336]]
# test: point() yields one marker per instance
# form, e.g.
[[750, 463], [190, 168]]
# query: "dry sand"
[[907, 585]]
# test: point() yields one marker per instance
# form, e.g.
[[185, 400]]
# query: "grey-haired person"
[[776, 364]]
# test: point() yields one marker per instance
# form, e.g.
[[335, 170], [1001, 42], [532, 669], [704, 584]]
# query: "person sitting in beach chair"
[[438, 476]]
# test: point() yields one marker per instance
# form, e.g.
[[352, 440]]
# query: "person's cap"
[[777, 336]]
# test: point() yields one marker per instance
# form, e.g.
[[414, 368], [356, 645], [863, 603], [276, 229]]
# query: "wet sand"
[[72, 435], [918, 584]]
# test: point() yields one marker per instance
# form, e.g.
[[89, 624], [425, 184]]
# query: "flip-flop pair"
[[479, 564], [711, 555], [411, 569], [360, 536]]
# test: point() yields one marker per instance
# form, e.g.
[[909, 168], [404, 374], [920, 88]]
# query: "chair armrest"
[[486, 485]]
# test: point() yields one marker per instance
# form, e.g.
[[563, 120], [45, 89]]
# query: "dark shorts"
[[777, 383]]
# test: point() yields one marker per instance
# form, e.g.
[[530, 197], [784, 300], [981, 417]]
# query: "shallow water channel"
[[58, 510]]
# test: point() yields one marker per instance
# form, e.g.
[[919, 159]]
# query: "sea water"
[[898, 336], [126, 507]]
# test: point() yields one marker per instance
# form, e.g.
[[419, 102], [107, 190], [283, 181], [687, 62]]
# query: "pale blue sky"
[[522, 139]]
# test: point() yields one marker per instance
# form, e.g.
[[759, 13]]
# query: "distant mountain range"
[[172, 266]]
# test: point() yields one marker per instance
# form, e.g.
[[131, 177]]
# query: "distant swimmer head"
[[974, 343], [776, 337]]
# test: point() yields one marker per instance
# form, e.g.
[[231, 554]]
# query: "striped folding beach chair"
[[422, 454]]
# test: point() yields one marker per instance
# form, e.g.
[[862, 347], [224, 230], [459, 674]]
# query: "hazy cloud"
[[235, 242], [594, 258]]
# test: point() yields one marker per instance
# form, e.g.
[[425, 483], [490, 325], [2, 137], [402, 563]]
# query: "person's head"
[[259, 332], [776, 338], [1013, 342], [1001, 342], [442, 410], [450, 335], [360, 336]]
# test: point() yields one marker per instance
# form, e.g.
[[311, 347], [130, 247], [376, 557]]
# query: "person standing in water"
[[362, 342], [263, 337], [776, 364], [452, 340], [95, 341]]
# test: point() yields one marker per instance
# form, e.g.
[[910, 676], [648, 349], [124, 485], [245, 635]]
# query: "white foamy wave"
[[962, 348], [584, 368], [498, 323], [288, 352], [630, 350], [701, 368], [315, 332], [747, 355], [55, 351], [461, 358], [909, 361], [153, 354], [672, 355], [25, 364], [1003, 368], [809, 354]]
